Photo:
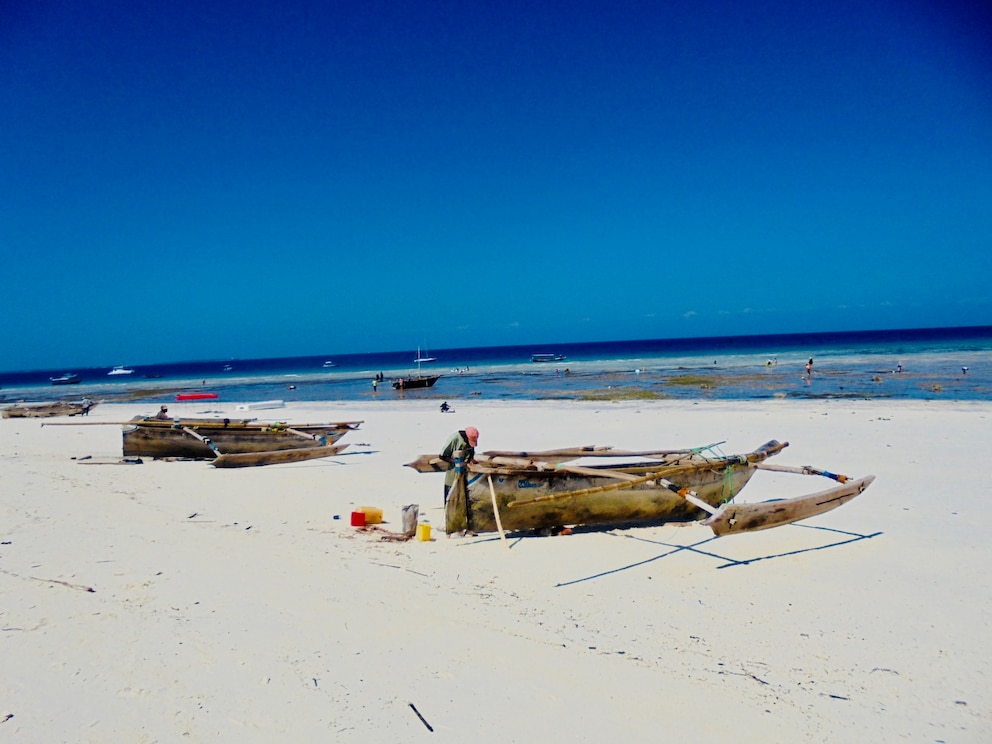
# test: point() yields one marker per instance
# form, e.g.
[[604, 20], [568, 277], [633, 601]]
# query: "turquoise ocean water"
[[925, 364]]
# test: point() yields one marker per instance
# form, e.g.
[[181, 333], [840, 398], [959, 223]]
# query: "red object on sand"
[[195, 396], [357, 519]]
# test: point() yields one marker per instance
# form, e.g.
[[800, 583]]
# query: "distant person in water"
[[809, 367], [163, 413], [464, 440]]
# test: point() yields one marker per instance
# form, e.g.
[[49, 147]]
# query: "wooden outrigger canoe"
[[228, 443], [533, 491], [215, 438], [47, 410]]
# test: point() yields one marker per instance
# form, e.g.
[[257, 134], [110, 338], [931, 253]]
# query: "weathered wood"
[[804, 470], [549, 459], [499, 522], [276, 457], [429, 464], [734, 518], [657, 477], [173, 438], [537, 494], [47, 410], [203, 439], [591, 450]]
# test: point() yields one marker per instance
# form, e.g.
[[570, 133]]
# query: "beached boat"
[[47, 410], [120, 371], [69, 378], [547, 357], [553, 489], [207, 438]]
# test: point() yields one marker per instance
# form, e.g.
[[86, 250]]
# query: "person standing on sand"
[[464, 440]]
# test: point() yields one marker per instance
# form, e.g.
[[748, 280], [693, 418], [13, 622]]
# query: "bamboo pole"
[[211, 445], [804, 470], [499, 522], [598, 451], [203, 423]]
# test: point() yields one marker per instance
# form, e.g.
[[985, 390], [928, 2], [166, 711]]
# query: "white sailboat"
[[423, 358]]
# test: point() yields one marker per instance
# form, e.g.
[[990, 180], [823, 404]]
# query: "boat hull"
[[46, 410], [163, 438], [644, 503], [411, 383]]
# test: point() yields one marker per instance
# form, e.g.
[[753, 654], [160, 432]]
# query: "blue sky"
[[191, 180]]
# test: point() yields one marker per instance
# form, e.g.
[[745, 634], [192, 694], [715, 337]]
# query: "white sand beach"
[[172, 601]]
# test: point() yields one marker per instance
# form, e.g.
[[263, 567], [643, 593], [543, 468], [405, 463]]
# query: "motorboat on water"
[[69, 378], [121, 371]]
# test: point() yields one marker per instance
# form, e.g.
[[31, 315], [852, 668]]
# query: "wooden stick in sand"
[[499, 522]]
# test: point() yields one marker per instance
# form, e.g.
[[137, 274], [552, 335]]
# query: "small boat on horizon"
[[121, 371], [425, 357], [196, 396], [69, 378], [329, 364], [547, 357]]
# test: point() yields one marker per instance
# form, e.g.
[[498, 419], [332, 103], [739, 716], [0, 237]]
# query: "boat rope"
[[728, 484], [713, 449]]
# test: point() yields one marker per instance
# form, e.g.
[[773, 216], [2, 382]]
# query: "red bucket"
[[358, 519]]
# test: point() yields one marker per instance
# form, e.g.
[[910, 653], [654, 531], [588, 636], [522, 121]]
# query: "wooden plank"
[[429, 464]]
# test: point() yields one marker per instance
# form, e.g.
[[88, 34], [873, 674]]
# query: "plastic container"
[[424, 532], [372, 514], [358, 519]]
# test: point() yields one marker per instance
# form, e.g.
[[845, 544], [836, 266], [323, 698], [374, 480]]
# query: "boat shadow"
[[846, 538]]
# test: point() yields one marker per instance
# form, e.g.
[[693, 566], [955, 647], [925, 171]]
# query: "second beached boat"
[[548, 490], [48, 410], [213, 438]]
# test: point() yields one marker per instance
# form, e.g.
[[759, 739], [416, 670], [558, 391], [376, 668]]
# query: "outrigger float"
[[511, 491], [230, 443]]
